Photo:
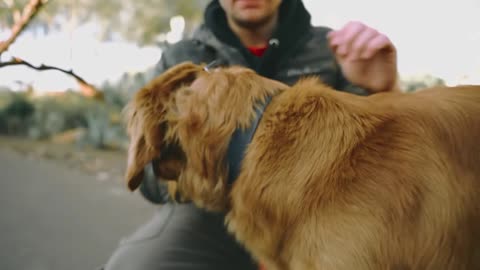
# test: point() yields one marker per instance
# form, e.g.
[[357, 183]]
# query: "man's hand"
[[367, 58]]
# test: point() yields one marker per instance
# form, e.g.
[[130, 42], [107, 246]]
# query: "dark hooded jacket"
[[296, 49]]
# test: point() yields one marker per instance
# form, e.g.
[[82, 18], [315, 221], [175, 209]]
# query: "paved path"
[[53, 217]]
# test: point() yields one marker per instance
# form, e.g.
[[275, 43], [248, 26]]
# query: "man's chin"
[[252, 22]]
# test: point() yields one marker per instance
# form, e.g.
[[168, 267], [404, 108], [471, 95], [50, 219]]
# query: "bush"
[[71, 116], [15, 113], [414, 83], [3, 126], [58, 114]]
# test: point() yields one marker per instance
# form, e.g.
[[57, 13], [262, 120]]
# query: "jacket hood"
[[293, 23]]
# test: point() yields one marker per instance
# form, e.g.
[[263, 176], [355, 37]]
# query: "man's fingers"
[[333, 39], [357, 41], [376, 44], [342, 39], [361, 42], [348, 35]]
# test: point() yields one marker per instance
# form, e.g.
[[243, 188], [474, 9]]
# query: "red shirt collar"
[[258, 51]]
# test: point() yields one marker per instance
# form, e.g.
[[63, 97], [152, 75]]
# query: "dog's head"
[[183, 121]]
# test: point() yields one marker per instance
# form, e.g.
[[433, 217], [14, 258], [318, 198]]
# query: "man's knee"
[[180, 237]]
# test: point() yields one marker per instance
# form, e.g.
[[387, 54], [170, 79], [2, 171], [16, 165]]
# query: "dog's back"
[[438, 153], [391, 181]]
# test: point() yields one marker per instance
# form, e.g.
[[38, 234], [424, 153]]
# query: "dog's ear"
[[145, 117], [205, 127]]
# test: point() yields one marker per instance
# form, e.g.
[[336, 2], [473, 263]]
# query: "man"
[[276, 39]]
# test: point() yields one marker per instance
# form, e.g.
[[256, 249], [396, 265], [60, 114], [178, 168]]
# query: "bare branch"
[[86, 88], [17, 61], [29, 12], [21, 20]]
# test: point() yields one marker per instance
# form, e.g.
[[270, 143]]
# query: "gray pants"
[[181, 237]]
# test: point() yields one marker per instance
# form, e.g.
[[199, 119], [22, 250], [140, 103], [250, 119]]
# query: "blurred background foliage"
[[70, 117], [136, 21]]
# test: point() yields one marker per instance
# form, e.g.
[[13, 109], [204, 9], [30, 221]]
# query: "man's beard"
[[252, 25]]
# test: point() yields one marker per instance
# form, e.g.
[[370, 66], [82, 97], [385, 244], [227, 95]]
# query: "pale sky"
[[437, 37]]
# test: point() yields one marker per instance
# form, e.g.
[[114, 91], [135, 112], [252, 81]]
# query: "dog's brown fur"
[[330, 181]]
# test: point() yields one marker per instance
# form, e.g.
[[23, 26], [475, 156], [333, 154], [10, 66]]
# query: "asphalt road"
[[53, 217]]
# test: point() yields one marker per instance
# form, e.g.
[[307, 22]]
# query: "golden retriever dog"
[[330, 180]]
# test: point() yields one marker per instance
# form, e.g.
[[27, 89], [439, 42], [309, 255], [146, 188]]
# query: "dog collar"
[[239, 143]]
